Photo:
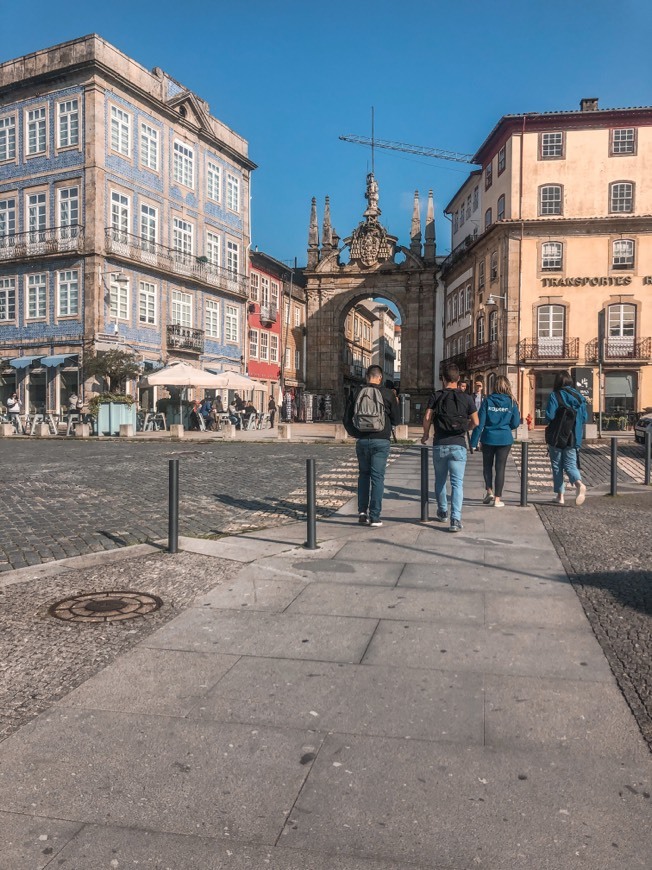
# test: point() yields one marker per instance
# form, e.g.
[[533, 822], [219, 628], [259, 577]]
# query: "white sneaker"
[[498, 502], [558, 499], [581, 493]]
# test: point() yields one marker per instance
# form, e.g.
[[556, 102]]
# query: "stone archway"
[[372, 272]]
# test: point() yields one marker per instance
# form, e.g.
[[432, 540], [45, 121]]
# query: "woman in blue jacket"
[[565, 459], [499, 415]]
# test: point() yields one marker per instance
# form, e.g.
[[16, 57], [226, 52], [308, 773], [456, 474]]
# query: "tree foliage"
[[116, 367]]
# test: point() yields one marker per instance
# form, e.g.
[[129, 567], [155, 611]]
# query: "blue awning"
[[51, 362], [21, 362]]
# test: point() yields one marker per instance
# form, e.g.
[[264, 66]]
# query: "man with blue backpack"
[[371, 413], [566, 415]]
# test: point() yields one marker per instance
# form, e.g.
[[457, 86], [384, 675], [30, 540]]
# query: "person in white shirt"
[[13, 410]]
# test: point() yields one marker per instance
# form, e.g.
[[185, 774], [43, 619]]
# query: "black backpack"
[[449, 414], [560, 432]]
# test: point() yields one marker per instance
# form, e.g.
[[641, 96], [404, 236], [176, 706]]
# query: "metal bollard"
[[614, 467], [173, 506], [311, 496], [425, 516], [648, 457], [524, 472]]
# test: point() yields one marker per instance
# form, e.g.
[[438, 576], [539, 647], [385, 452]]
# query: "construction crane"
[[423, 151]]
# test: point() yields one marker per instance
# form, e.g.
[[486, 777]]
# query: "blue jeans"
[[372, 456], [449, 461], [563, 460]]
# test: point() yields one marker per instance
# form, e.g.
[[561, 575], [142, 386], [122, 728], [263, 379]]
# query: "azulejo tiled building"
[[124, 221], [551, 263]]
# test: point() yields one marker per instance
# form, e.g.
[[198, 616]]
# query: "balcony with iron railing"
[[268, 313], [140, 250], [620, 349], [534, 350], [185, 338], [482, 355], [42, 243], [459, 359]]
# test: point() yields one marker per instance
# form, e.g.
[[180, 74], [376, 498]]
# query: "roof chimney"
[[589, 104]]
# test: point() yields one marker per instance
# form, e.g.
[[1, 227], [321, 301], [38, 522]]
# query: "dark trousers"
[[495, 454]]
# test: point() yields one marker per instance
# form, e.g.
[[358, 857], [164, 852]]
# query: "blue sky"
[[292, 75]]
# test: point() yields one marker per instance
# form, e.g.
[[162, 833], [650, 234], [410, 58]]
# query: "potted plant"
[[113, 406]]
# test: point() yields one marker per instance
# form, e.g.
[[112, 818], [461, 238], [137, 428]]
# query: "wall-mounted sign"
[[612, 281]]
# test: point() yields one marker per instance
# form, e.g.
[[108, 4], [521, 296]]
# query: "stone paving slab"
[[322, 638], [273, 593], [161, 773], [319, 569], [531, 810], [524, 609], [445, 571], [31, 843], [400, 702], [386, 551]]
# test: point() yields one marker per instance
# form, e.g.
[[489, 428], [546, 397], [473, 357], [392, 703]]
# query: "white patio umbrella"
[[183, 375], [235, 381]]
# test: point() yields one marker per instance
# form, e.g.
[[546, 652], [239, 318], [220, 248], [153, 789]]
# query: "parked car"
[[643, 425]]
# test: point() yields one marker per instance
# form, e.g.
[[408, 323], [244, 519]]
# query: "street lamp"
[[492, 299]]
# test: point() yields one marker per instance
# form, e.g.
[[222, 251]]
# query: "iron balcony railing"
[[167, 259], [544, 349], [41, 243], [185, 338], [459, 359], [482, 355], [620, 349], [456, 254], [268, 313]]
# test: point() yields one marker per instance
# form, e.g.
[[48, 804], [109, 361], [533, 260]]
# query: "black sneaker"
[[363, 519], [456, 526], [442, 516]]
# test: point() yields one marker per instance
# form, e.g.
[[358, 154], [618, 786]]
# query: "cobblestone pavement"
[[62, 498], [606, 547]]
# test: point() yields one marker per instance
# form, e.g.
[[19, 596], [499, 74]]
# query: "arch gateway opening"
[[378, 269]]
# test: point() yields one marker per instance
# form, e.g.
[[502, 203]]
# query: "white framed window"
[[232, 192], [7, 217], [119, 299], [454, 299], [213, 248], [502, 159], [7, 299], [461, 220], [231, 324], [36, 213], [500, 210], [7, 138], [67, 293], [264, 291], [120, 204], [181, 308], [149, 148], [273, 347], [487, 218], [297, 316], [480, 274], [493, 266], [182, 236], [147, 302], [263, 351], [621, 321], [212, 319], [468, 298], [551, 145], [68, 123], [449, 308], [274, 294], [551, 321], [297, 360], [479, 330], [476, 197], [254, 286], [550, 199], [120, 131], [36, 138], [552, 256], [493, 326], [184, 164], [253, 343], [622, 254], [68, 206], [233, 256], [148, 226], [488, 175], [623, 141], [621, 196], [213, 177], [468, 207], [467, 341]]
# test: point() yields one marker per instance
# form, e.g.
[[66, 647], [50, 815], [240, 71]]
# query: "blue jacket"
[[576, 400], [498, 415]]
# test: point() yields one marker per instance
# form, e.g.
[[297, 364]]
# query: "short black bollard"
[[648, 457], [311, 503], [524, 473], [614, 467], [425, 515], [173, 506]]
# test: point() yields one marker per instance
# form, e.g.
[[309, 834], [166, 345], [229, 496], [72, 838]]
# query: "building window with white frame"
[[37, 296], [273, 348], [623, 141], [212, 319], [232, 192], [68, 211], [120, 204], [7, 299], [36, 131], [274, 295], [621, 321], [184, 164], [621, 196], [461, 223], [469, 292], [147, 303], [68, 293], [213, 177], [298, 319], [264, 291], [502, 159], [468, 207], [493, 326], [232, 256], [181, 308], [622, 254], [253, 343], [37, 216], [213, 248], [489, 175], [550, 199], [149, 149], [476, 198], [68, 124], [120, 131], [7, 138], [119, 298], [182, 236], [461, 303], [487, 219], [493, 266], [148, 227], [297, 360], [551, 145], [263, 352], [500, 209], [454, 306], [481, 275], [479, 330], [231, 324], [7, 218], [467, 341], [254, 285], [551, 328], [552, 254], [287, 359]]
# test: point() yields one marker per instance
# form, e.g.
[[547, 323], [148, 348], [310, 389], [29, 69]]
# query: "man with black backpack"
[[566, 415], [453, 414], [371, 412]]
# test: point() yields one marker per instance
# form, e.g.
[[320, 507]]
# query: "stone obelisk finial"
[[327, 231], [313, 236], [415, 232], [429, 252]]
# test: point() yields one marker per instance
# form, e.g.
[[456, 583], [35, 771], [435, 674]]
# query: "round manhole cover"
[[104, 606]]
